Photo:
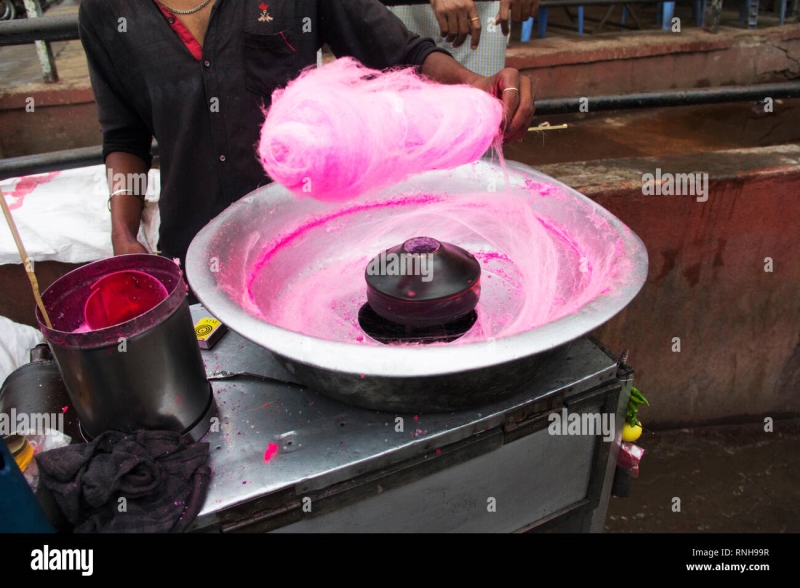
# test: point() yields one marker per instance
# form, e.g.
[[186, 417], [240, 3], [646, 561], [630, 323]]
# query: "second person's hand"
[[516, 10], [458, 19]]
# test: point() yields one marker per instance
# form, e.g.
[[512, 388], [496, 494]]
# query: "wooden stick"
[[547, 128], [25, 260]]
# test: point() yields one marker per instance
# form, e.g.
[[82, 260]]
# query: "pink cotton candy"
[[535, 270], [343, 130]]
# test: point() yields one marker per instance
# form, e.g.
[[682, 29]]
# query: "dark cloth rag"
[[163, 482]]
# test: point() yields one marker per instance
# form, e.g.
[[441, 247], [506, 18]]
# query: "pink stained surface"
[[25, 186], [271, 451], [343, 130], [310, 277]]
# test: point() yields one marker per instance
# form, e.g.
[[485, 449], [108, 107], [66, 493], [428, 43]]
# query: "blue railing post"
[[527, 28], [700, 12], [666, 15], [542, 22]]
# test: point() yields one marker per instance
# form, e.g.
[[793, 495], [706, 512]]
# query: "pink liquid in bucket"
[[122, 296]]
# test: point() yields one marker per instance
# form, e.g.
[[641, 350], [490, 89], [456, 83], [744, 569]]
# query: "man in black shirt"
[[196, 75]]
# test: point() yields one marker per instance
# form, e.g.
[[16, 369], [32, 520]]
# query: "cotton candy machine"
[[293, 276]]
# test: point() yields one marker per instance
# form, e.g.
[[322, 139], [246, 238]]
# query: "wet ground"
[[729, 479]]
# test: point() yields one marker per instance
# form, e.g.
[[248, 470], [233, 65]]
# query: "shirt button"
[[222, 158], [207, 63], [171, 21]]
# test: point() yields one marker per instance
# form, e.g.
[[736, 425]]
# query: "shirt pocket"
[[270, 61]]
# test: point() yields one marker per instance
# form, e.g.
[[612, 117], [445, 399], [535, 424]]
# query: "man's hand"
[[518, 10], [518, 102], [457, 19], [516, 92]]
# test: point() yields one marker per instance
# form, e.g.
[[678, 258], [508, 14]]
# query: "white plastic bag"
[[16, 341]]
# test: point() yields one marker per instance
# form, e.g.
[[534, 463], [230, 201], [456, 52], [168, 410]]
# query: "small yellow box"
[[208, 331]]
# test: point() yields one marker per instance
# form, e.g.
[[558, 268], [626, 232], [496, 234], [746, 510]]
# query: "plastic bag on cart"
[[16, 341], [629, 457], [64, 215]]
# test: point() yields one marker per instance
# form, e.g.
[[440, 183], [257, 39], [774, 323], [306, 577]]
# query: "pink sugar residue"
[[309, 226], [25, 186], [271, 451], [545, 189], [310, 277]]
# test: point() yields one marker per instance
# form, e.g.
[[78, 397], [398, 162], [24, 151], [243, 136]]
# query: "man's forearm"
[[128, 202], [442, 68]]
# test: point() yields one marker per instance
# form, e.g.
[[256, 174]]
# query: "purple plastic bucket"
[[145, 373]]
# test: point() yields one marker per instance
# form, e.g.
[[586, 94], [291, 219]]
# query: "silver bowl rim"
[[409, 361]]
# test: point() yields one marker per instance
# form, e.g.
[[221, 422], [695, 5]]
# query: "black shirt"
[[207, 115]]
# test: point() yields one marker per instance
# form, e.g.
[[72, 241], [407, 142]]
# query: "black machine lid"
[[423, 269]]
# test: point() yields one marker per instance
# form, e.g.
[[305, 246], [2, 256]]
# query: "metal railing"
[[542, 4], [65, 28], [43, 50], [86, 156], [25, 165], [46, 28]]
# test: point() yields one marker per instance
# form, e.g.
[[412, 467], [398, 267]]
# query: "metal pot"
[[145, 373], [402, 378]]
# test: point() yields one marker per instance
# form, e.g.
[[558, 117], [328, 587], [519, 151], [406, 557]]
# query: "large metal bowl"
[[406, 378]]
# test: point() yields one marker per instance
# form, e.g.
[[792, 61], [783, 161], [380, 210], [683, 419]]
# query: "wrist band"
[[129, 192]]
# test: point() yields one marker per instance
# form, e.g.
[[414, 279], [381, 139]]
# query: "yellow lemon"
[[631, 434]]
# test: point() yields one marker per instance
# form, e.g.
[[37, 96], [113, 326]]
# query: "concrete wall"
[[64, 116], [739, 326], [647, 61]]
